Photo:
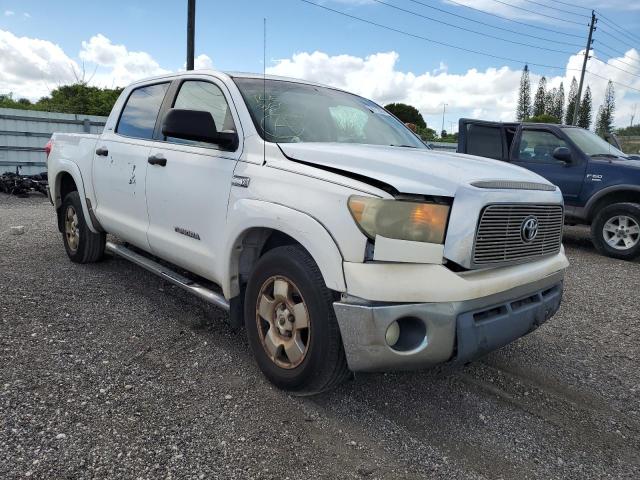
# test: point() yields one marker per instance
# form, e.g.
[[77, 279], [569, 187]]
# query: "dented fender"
[[246, 214]]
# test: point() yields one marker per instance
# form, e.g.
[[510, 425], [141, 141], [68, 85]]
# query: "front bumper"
[[458, 331]]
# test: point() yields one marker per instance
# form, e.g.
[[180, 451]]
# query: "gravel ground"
[[106, 371]]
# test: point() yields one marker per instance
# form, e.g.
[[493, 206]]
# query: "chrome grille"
[[499, 238]]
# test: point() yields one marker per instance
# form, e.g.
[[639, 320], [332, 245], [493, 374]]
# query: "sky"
[[47, 43]]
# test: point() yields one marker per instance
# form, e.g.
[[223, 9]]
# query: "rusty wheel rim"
[[71, 230], [283, 322]]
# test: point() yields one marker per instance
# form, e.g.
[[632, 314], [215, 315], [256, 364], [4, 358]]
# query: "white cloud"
[[30, 67], [122, 66], [202, 62], [9, 13], [26, 15], [489, 94]]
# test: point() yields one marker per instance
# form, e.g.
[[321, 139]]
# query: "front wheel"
[[291, 324], [616, 231]]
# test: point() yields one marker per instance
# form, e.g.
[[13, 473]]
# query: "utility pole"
[[444, 107], [191, 31], [592, 27]]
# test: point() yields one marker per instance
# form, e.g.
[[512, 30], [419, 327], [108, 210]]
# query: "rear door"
[[485, 139], [187, 195], [120, 166], [534, 150]]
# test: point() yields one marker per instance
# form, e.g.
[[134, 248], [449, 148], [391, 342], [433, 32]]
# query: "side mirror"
[[563, 154], [197, 125]]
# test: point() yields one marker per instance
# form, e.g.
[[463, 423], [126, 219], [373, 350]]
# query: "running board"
[[169, 275]]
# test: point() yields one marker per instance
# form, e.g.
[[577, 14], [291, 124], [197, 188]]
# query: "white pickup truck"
[[325, 226]]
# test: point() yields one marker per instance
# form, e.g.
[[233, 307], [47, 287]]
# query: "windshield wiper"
[[403, 146], [606, 155]]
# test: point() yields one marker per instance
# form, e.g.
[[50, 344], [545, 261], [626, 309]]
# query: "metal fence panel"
[[24, 133]]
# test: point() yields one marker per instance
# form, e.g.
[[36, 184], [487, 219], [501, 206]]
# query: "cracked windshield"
[[289, 112]]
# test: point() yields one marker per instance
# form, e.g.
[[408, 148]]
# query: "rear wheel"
[[616, 231], [81, 244], [291, 324]]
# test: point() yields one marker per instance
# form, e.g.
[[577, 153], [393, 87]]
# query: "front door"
[[188, 184], [120, 166], [535, 152]]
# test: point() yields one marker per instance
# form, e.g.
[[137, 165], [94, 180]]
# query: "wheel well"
[[66, 186], [619, 196], [250, 247]]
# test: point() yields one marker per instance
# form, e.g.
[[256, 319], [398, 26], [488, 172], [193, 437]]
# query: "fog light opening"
[[393, 334], [406, 334]]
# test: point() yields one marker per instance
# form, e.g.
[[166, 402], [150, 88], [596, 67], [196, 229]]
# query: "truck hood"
[[408, 170]]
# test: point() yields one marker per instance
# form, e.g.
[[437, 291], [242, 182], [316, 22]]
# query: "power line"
[[618, 52], [493, 26], [613, 81], [515, 21], [572, 5], [430, 40], [614, 66], [538, 13], [624, 42], [617, 27], [612, 57], [419, 37], [411, 12], [558, 9]]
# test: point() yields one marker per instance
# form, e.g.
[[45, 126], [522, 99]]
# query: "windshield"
[[590, 143], [295, 112]]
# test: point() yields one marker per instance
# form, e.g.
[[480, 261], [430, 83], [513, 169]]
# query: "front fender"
[[246, 214], [67, 166], [591, 203]]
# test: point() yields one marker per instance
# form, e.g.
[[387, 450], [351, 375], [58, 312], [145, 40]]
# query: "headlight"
[[399, 219]]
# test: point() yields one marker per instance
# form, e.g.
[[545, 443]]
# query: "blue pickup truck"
[[600, 183]]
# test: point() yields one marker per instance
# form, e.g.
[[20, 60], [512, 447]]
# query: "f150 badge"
[[594, 178]]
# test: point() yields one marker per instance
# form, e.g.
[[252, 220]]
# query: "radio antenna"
[[264, 91]]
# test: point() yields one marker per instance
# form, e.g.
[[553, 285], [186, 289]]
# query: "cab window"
[[538, 146], [204, 96], [484, 141], [140, 113]]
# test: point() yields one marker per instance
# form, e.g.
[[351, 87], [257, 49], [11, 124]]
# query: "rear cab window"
[[140, 113], [484, 141]]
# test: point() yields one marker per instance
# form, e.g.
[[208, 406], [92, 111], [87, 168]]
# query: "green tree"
[[571, 102], [523, 110], [544, 118], [633, 130], [407, 114], [427, 134], [550, 101], [584, 114], [540, 99], [604, 121], [78, 98], [557, 110]]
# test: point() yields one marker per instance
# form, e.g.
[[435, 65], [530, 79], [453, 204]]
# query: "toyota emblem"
[[529, 229]]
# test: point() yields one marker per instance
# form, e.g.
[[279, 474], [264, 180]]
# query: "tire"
[[302, 360], [81, 244], [615, 231]]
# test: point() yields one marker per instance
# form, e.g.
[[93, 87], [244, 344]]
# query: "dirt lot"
[[108, 372]]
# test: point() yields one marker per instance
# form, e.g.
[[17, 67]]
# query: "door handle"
[[102, 151], [157, 159]]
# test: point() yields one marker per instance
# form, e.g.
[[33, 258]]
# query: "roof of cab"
[[229, 75]]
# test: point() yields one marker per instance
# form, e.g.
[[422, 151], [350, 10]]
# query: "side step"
[[169, 275]]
